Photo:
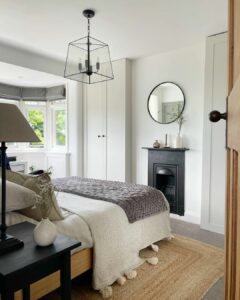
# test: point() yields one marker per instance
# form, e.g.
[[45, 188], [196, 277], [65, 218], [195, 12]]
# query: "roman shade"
[[10, 92], [32, 93]]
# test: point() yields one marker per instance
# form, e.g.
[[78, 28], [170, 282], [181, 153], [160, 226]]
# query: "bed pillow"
[[32, 183], [17, 197]]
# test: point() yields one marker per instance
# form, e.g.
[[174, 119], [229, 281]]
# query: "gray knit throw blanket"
[[137, 201]]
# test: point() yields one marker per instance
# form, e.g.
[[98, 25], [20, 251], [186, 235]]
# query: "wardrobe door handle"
[[99, 136], [103, 135]]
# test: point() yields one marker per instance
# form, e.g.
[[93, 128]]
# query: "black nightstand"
[[20, 268]]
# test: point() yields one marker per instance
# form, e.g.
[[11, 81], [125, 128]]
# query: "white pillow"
[[17, 197]]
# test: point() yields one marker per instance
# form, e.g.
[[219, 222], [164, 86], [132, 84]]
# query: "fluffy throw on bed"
[[137, 201]]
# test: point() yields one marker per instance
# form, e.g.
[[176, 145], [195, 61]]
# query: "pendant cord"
[[88, 48], [88, 27]]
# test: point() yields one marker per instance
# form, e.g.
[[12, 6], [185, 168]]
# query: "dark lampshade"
[[13, 125]]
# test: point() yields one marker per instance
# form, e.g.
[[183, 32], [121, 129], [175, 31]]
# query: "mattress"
[[151, 228], [76, 227]]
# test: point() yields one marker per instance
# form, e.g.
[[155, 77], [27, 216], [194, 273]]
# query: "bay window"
[[49, 121]]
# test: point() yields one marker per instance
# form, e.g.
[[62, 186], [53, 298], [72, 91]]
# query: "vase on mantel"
[[156, 144], [45, 233], [178, 141]]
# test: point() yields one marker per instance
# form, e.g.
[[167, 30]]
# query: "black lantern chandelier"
[[88, 59]]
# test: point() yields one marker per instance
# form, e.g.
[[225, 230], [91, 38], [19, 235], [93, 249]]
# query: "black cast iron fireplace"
[[166, 172], [165, 179]]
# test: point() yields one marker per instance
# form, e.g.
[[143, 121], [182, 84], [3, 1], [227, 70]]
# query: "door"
[[95, 131], [232, 216], [214, 153], [232, 242], [118, 122]]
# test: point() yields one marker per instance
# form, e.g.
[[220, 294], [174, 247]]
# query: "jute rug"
[[186, 271]]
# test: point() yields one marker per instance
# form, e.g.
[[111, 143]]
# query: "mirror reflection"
[[166, 102]]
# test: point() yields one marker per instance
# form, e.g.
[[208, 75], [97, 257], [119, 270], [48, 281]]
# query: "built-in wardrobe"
[[107, 132]]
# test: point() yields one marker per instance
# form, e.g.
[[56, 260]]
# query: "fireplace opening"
[[166, 172], [165, 181]]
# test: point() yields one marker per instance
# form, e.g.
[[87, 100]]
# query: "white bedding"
[[72, 225], [13, 218], [116, 242], [105, 227]]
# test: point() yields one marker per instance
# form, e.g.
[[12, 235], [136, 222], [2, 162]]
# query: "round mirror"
[[166, 102]]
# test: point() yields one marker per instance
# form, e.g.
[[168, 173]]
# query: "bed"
[[111, 254]]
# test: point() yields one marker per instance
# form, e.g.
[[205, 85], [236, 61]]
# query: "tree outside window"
[[60, 120], [36, 119]]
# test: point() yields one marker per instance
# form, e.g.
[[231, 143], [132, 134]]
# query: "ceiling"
[[15, 75], [132, 28]]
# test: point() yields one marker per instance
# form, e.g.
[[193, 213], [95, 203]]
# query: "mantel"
[[165, 149]]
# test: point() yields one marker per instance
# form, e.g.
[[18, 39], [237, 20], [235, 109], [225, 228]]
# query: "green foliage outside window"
[[36, 119], [60, 118]]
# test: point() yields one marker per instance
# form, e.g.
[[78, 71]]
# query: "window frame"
[[54, 107], [43, 108]]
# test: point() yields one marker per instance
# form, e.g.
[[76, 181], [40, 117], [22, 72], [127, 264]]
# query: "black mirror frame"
[[184, 102]]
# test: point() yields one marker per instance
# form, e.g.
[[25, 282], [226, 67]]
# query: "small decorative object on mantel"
[[156, 144], [45, 232], [178, 141], [166, 141]]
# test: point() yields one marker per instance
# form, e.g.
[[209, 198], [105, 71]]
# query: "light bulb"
[[80, 65], [98, 64]]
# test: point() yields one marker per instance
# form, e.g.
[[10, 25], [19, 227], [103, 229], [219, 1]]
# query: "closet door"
[[118, 122], [95, 131], [214, 140]]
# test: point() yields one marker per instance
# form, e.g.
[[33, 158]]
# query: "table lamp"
[[13, 128]]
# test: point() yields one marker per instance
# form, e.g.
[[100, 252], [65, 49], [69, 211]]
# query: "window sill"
[[56, 151], [26, 150], [37, 150]]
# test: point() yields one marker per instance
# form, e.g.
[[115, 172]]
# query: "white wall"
[[23, 57], [186, 68]]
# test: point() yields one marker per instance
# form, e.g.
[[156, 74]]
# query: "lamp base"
[[9, 244]]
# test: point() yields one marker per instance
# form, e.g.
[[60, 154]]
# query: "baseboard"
[[188, 217], [213, 228]]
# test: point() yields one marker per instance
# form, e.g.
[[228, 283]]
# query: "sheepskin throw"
[[137, 201]]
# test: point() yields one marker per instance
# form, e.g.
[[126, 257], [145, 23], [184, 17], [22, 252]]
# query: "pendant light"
[[88, 59]]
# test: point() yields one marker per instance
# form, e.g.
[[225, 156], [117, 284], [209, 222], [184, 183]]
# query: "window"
[[36, 120], [58, 124], [60, 135], [36, 115]]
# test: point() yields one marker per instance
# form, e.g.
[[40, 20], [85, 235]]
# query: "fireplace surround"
[[166, 172]]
